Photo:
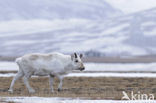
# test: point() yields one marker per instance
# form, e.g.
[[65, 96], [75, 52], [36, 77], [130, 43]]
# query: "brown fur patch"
[[33, 57], [44, 57], [47, 57], [44, 69]]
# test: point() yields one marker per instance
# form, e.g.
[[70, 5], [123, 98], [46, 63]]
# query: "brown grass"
[[86, 87]]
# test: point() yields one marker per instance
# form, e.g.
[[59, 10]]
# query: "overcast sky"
[[130, 6]]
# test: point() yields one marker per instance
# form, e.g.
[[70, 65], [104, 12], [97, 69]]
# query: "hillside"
[[126, 35]]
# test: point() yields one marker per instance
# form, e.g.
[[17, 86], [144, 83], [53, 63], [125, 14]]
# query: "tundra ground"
[[83, 87]]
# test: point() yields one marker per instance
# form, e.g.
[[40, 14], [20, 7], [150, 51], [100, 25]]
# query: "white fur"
[[52, 64]]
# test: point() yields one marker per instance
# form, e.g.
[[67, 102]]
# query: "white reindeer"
[[52, 64]]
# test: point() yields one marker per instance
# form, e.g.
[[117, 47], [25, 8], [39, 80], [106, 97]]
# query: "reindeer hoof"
[[52, 91], [32, 91], [10, 91], [58, 89]]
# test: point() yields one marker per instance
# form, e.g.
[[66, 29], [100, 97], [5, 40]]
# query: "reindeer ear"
[[81, 55], [75, 55]]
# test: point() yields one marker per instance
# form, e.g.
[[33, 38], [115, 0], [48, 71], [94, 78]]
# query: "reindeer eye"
[[76, 61]]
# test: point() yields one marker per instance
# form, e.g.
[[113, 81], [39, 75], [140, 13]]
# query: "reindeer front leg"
[[51, 80], [26, 82], [60, 84]]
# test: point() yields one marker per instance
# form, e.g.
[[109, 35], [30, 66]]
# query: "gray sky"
[[131, 6]]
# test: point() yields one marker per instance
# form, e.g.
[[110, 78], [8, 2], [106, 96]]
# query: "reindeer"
[[52, 65]]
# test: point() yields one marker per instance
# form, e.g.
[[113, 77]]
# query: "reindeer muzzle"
[[81, 69]]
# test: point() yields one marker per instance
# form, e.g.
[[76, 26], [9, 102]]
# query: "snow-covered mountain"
[[133, 34], [56, 9]]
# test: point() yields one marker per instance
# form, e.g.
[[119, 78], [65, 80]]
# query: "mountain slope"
[[130, 35], [56, 9]]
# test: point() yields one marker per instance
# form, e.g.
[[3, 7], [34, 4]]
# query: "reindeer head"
[[77, 62]]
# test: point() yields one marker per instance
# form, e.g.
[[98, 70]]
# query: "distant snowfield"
[[136, 67], [64, 100], [8, 66], [99, 70], [125, 67]]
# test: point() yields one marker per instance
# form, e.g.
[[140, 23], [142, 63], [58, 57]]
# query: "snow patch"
[[65, 100], [124, 75], [138, 67]]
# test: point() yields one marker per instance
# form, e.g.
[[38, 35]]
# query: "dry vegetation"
[[85, 87]]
